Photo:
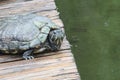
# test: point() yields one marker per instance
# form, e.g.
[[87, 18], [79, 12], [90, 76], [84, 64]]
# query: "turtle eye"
[[54, 32]]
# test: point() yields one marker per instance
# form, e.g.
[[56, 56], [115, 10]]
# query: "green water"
[[93, 29]]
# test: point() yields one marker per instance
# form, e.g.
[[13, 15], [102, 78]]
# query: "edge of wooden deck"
[[48, 66]]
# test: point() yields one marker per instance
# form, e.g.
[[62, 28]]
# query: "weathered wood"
[[58, 65], [27, 7], [42, 68]]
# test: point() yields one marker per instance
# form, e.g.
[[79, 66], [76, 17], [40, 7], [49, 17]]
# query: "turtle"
[[29, 34]]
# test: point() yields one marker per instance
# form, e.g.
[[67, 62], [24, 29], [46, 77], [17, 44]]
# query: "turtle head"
[[55, 39]]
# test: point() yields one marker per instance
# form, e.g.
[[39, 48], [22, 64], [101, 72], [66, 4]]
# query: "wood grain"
[[27, 7], [58, 65]]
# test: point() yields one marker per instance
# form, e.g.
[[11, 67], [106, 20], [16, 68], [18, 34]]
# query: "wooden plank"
[[24, 65], [5, 2], [39, 67], [25, 7], [58, 65], [13, 58]]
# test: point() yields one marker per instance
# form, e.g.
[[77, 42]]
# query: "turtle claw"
[[28, 57], [31, 57]]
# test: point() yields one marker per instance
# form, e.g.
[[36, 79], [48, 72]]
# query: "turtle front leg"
[[27, 55]]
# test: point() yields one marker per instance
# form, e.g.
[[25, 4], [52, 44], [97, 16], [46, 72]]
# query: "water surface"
[[93, 29]]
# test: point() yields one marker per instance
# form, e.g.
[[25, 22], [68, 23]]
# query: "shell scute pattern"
[[27, 33], [13, 45], [35, 42], [42, 37], [3, 46], [23, 32], [24, 45]]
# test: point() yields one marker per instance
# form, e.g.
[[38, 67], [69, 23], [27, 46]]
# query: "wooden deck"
[[48, 66]]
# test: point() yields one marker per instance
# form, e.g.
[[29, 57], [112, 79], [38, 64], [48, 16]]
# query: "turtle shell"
[[20, 33]]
